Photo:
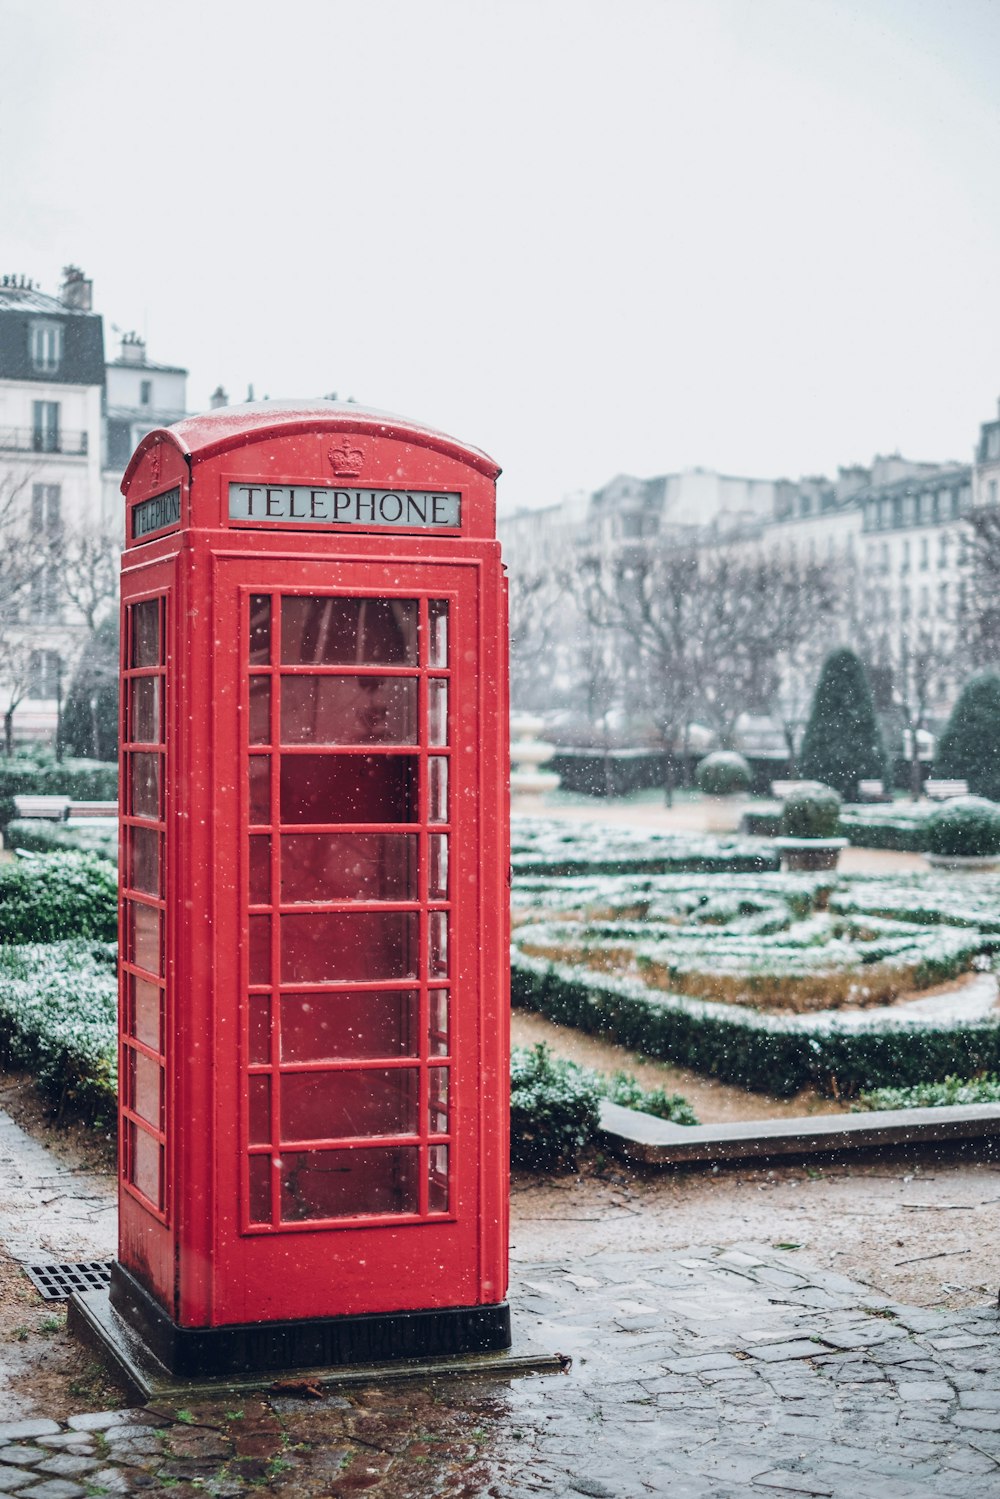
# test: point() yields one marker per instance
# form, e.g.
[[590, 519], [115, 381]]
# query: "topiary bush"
[[553, 1109], [967, 827], [811, 811], [723, 773], [57, 896], [969, 747], [843, 744]]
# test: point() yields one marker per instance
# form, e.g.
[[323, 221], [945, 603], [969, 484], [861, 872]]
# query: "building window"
[[954, 504], [46, 667], [43, 597], [897, 511], [906, 556], [904, 603], [45, 426], [146, 393], [46, 347], [924, 551], [884, 556], [925, 508], [805, 505], [46, 509], [943, 549], [943, 598], [991, 492]]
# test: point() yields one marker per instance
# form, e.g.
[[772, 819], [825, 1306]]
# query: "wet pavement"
[[710, 1371]]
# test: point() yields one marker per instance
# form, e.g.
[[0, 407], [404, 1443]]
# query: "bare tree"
[[17, 673], [87, 565], [533, 597], [978, 613]]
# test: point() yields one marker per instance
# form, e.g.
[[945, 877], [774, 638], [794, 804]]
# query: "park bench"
[[873, 791], [92, 809], [50, 808], [942, 791], [781, 789]]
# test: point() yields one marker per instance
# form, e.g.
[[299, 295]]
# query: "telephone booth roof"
[[212, 432]]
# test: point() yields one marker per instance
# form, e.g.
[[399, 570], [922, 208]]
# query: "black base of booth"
[[320, 1342]]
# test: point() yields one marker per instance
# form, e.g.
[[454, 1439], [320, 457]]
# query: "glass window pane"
[[438, 1001], [143, 933], [144, 1154], [437, 1179], [348, 866], [145, 1011], [260, 1109], [260, 949], [340, 1183], [348, 710], [437, 788], [437, 611], [345, 946], [259, 1006], [260, 710], [145, 785], [334, 1105], [437, 1103], [145, 872], [145, 1092], [260, 789], [437, 710], [437, 923], [260, 870], [348, 788], [349, 1023], [339, 631], [144, 720], [260, 629], [437, 873], [146, 633], [260, 1189]]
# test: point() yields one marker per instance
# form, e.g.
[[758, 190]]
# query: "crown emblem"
[[346, 459], [155, 459]]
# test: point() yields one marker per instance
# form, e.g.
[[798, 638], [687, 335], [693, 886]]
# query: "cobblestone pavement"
[[710, 1372]]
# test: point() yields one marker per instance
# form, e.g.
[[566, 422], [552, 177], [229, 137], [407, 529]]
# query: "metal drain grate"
[[58, 1282]]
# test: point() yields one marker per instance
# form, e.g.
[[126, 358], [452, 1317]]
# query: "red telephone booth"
[[314, 855]]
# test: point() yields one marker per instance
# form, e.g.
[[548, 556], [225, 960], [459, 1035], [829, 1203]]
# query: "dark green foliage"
[[908, 835], [90, 713], [625, 1089], [812, 811], [969, 748], [954, 1090], [82, 780], [761, 822], [968, 827], [764, 1057], [553, 1109], [723, 774], [35, 836], [57, 896], [843, 743], [58, 1020]]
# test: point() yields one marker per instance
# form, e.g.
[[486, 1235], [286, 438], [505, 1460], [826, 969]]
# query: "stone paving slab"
[[732, 1381], [52, 1212]]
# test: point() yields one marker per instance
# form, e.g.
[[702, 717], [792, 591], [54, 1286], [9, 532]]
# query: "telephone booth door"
[[353, 707]]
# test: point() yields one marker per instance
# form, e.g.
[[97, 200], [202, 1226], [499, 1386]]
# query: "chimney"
[[133, 349], [77, 291], [218, 398]]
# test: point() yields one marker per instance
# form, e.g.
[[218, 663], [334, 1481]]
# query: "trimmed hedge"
[[57, 896], [546, 847], [954, 1090], [81, 780], [35, 836], [723, 773], [967, 827], [764, 1053], [58, 1020]]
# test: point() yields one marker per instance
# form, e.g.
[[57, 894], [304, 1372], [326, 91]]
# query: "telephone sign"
[[314, 984]]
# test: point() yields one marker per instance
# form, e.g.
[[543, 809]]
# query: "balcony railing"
[[41, 440]]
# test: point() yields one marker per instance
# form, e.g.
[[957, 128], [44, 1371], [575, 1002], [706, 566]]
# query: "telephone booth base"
[[320, 1342]]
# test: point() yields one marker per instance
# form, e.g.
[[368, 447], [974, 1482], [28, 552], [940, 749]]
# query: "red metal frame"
[[205, 1253]]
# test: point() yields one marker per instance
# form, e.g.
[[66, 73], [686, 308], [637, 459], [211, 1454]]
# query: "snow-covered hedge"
[[52, 897], [32, 835], [541, 846]]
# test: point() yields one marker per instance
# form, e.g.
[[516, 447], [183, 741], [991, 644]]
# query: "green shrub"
[[843, 744], [626, 1090], [56, 896], [811, 811], [969, 747], [954, 1090], [968, 827], [723, 774], [33, 835], [545, 847], [761, 822], [553, 1109]]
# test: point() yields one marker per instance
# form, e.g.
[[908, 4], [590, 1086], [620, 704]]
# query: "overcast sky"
[[761, 236]]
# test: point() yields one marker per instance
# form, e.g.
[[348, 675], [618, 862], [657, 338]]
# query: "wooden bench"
[[93, 809], [942, 791], [49, 808], [873, 791]]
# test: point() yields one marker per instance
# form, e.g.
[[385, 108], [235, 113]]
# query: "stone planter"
[[982, 864], [722, 813], [528, 782], [809, 853]]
